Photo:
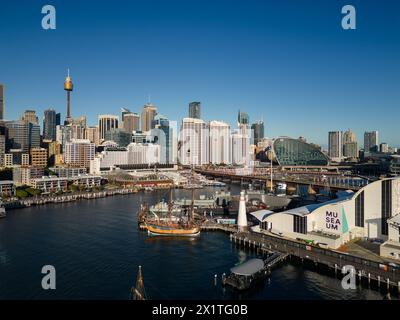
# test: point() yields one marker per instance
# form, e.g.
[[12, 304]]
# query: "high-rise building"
[[164, 134], [258, 131], [350, 149], [335, 145], [119, 136], [349, 136], [22, 135], [68, 87], [371, 141], [195, 110], [79, 153], [131, 122], [92, 134], [243, 118], [384, 147], [39, 157], [2, 102], [54, 153], [350, 145], [241, 145], [106, 123], [49, 125], [148, 114], [220, 143], [194, 142], [29, 116], [2, 150]]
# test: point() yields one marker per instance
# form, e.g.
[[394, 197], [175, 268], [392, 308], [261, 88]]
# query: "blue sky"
[[287, 61]]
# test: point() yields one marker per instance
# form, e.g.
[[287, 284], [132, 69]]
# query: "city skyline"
[[303, 74]]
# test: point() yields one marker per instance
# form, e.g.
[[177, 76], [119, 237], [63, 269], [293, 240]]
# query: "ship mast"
[[138, 292]]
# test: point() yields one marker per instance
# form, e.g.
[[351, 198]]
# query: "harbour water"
[[96, 249]]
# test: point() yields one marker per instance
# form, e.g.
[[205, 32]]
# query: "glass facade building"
[[293, 152], [195, 110]]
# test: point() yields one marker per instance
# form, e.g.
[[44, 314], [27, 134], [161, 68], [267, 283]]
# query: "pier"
[[376, 274]]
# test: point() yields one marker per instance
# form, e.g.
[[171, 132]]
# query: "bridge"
[[332, 182]]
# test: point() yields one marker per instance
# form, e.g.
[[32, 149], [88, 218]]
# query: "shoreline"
[[26, 203]]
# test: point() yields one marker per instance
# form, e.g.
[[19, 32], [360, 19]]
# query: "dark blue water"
[[96, 249]]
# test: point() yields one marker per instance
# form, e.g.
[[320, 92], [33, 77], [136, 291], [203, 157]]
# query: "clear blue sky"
[[289, 62]]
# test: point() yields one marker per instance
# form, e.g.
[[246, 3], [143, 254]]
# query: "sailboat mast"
[[192, 206]]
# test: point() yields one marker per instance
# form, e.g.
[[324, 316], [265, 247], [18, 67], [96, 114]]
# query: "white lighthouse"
[[242, 216]]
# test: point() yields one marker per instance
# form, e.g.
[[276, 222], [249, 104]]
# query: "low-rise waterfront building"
[[50, 184], [87, 180], [24, 175], [68, 172], [7, 188]]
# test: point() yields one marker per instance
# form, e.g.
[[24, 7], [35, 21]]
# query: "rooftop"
[[249, 267]]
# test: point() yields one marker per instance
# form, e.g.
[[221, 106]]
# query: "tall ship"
[[171, 224]]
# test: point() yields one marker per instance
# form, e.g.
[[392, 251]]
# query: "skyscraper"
[[2, 103], [243, 118], [335, 147], [131, 122], [164, 135], [119, 136], [106, 123], [350, 149], [194, 142], [371, 141], [2, 149], [49, 125], [349, 136], [79, 153], [23, 135], [29, 116], [258, 131], [350, 145], [195, 110], [148, 114], [68, 87], [241, 145], [220, 143]]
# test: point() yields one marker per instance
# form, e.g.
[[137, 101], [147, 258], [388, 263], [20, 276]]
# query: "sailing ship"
[[172, 225]]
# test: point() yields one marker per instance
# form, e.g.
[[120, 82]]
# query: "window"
[[360, 210], [300, 224], [386, 205]]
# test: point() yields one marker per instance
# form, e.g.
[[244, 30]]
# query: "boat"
[[172, 225], [172, 229], [247, 274], [2, 210]]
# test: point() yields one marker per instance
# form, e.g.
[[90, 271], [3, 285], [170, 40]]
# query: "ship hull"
[[154, 231]]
